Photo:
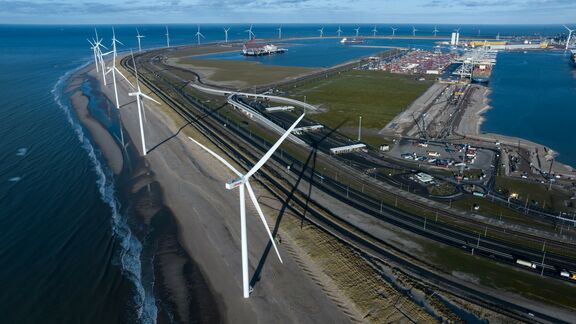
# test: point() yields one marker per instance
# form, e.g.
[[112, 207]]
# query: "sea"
[[67, 254]]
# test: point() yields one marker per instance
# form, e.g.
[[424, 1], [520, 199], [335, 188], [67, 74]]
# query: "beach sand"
[[208, 224], [99, 134]]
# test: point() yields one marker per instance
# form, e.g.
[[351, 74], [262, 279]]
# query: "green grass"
[[248, 73], [499, 276], [552, 199], [496, 211], [376, 96]]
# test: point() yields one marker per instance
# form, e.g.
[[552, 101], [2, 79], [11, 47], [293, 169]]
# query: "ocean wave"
[[128, 258]]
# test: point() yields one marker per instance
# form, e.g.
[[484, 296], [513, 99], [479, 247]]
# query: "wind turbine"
[[97, 43], [569, 36], [242, 182], [167, 37], [114, 69], [393, 31], [94, 49], [339, 31], [374, 31], [414, 30], [357, 31], [138, 36], [226, 34], [435, 31], [198, 35], [139, 95], [280, 32], [321, 30], [251, 34]]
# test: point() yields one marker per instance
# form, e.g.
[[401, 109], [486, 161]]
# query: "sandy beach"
[[207, 219]]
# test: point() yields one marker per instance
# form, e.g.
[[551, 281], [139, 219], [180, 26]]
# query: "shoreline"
[[151, 222], [470, 127]]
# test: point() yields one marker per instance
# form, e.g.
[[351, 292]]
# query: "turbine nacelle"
[[235, 183]]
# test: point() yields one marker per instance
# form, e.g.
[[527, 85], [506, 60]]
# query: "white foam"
[[128, 258], [15, 179], [22, 151]]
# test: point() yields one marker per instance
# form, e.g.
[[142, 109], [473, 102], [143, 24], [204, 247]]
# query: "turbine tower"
[[167, 37], [138, 36], [321, 30], [374, 31], [280, 32], [199, 35], [139, 95], [435, 31], [414, 30], [226, 34], [393, 31], [97, 44], [339, 31], [569, 36], [242, 182], [357, 31], [114, 69]]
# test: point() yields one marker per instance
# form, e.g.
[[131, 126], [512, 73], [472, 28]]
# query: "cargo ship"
[[481, 73], [252, 48], [351, 41]]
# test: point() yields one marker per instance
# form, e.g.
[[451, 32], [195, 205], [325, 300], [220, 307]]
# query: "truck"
[[526, 263]]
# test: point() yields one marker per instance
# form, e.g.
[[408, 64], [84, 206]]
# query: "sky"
[[288, 11]]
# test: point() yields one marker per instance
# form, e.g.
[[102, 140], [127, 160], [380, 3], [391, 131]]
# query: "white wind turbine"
[[414, 30], [357, 31], [280, 32], [138, 36], [393, 31], [99, 55], [167, 37], [94, 49], [242, 182], [114, 69], [226, 34], [435, 31], [339, 31], [374, 31], [251, 34], [139, 95], [321, 30], [198, 35], [569, 36]]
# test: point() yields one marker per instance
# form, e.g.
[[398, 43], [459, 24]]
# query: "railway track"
[[228, 141]]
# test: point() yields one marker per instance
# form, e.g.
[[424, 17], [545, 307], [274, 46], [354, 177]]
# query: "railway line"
[[228, 138]]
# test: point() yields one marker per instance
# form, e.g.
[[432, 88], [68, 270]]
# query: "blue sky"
[[289, 11]]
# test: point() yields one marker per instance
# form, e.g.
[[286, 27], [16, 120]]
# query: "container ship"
[[252, 48], [481, 73], [351, 41]]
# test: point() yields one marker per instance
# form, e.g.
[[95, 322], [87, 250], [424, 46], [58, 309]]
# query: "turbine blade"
[[262, 218], [149, 98], [272, 149], [125, 78], [218, 157]]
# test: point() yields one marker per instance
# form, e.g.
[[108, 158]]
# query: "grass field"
[[377, 96], [244, 74], [538, 192], [491, 274]]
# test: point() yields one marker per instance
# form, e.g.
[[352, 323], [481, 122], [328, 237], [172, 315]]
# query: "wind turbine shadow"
[[311, 159], [182, 128]]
